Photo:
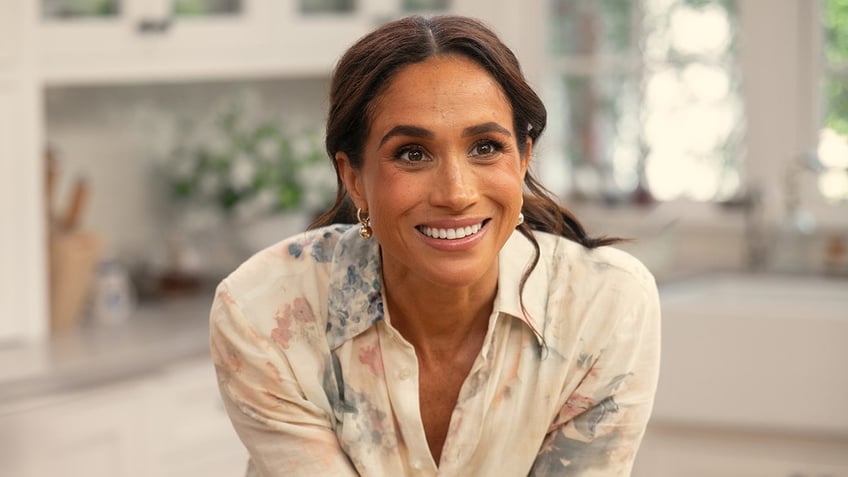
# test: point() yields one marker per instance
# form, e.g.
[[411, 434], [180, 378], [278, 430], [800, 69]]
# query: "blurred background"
[[148, 147]]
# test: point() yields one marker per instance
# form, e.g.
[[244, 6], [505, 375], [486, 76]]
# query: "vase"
[[260, 233]]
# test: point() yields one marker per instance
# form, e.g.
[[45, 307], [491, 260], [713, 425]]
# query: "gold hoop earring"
[[364, 224], [520, 219]]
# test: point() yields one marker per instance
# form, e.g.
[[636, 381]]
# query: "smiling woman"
[[457, 166], [469, 325]]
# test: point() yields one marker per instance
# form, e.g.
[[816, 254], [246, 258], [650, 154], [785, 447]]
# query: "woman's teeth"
[[450, 234]]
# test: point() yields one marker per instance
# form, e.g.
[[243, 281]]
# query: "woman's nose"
[[455, 184]]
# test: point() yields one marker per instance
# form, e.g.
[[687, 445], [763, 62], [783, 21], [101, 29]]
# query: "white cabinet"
[[165, 424], [672, 451], [313, 42], [750, 382], [95, 434], [23, 289], [149, 40], [141, 40], [194, 434]]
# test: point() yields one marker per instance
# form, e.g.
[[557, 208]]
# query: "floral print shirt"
[[317, 382]]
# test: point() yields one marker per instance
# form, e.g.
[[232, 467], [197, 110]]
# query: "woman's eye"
[[485, 148], [411, 154]]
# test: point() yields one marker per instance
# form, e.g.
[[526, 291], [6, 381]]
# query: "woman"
[[464, 327]]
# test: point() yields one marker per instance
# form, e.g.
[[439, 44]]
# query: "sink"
[[758, 295], [755, 351]]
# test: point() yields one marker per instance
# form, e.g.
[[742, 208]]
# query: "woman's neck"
[[437, 319]]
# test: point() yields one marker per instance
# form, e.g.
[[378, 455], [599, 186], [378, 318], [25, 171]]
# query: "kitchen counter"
[[156, 335], [755, 351]]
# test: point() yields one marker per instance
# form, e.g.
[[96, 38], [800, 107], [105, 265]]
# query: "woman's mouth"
[[451, 233]]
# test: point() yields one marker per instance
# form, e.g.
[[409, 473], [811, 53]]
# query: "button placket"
[[401, 368]]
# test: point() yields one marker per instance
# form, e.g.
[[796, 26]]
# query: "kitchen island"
[[132, 399]]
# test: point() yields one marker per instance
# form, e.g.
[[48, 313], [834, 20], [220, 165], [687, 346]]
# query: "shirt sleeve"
[[599, 428], [284, 433]]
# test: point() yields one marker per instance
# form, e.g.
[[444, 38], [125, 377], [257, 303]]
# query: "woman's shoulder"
[[607, 263], [292, 262], [593, 291]]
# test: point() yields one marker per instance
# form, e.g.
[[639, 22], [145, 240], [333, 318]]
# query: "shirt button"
[[405, 374], [417, 465]]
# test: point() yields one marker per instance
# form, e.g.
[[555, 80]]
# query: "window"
[[206, 7], [424, 5], [833, 136], [78, 9], [645, 99], [326, 6]]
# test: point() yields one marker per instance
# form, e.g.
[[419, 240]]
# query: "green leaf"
[[288, 197], [182, 188], [228, 198]]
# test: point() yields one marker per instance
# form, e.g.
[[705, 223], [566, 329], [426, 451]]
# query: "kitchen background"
[[147, 147]]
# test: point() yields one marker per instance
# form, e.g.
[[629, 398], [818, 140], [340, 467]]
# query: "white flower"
[[265, 199], [227, 151], [319, 183], [302, 146], [183, 168], [256, 206], [209, 184], [242, 172], [216, 144], [268, 149]]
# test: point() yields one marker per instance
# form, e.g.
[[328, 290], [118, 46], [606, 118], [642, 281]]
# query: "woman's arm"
[[598, 430], [285, 433]]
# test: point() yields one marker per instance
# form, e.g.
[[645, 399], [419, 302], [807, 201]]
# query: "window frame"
[[832, 218], [824, 71], [781, 62]]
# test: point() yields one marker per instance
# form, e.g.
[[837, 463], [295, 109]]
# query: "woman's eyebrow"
[[407, 130], [485, 128], [416, 131]]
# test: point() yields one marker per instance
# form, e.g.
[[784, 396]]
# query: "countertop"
[[156, 335]]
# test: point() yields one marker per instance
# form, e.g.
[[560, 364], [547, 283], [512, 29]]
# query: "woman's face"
[[442, 173]]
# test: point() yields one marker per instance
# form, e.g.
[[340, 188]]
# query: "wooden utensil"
[[79, 198]]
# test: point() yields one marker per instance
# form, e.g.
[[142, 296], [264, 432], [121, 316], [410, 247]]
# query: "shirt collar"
[[514, 259], [355, 301]]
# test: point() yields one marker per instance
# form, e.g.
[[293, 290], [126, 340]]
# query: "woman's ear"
[[352, 180], [525, 161]]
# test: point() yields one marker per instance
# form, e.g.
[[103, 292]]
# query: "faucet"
[[796, 218], [778, 243], [757, 245]]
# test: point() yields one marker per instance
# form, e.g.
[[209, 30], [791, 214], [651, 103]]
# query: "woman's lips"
[[452, 233]]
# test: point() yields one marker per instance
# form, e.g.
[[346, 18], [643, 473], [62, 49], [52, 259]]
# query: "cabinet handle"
[[153, 25]]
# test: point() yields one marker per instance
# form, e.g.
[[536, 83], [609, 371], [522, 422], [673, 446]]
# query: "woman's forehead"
[[442, 88]]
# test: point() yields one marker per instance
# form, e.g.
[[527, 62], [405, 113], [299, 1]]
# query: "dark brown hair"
[[365, 71]]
